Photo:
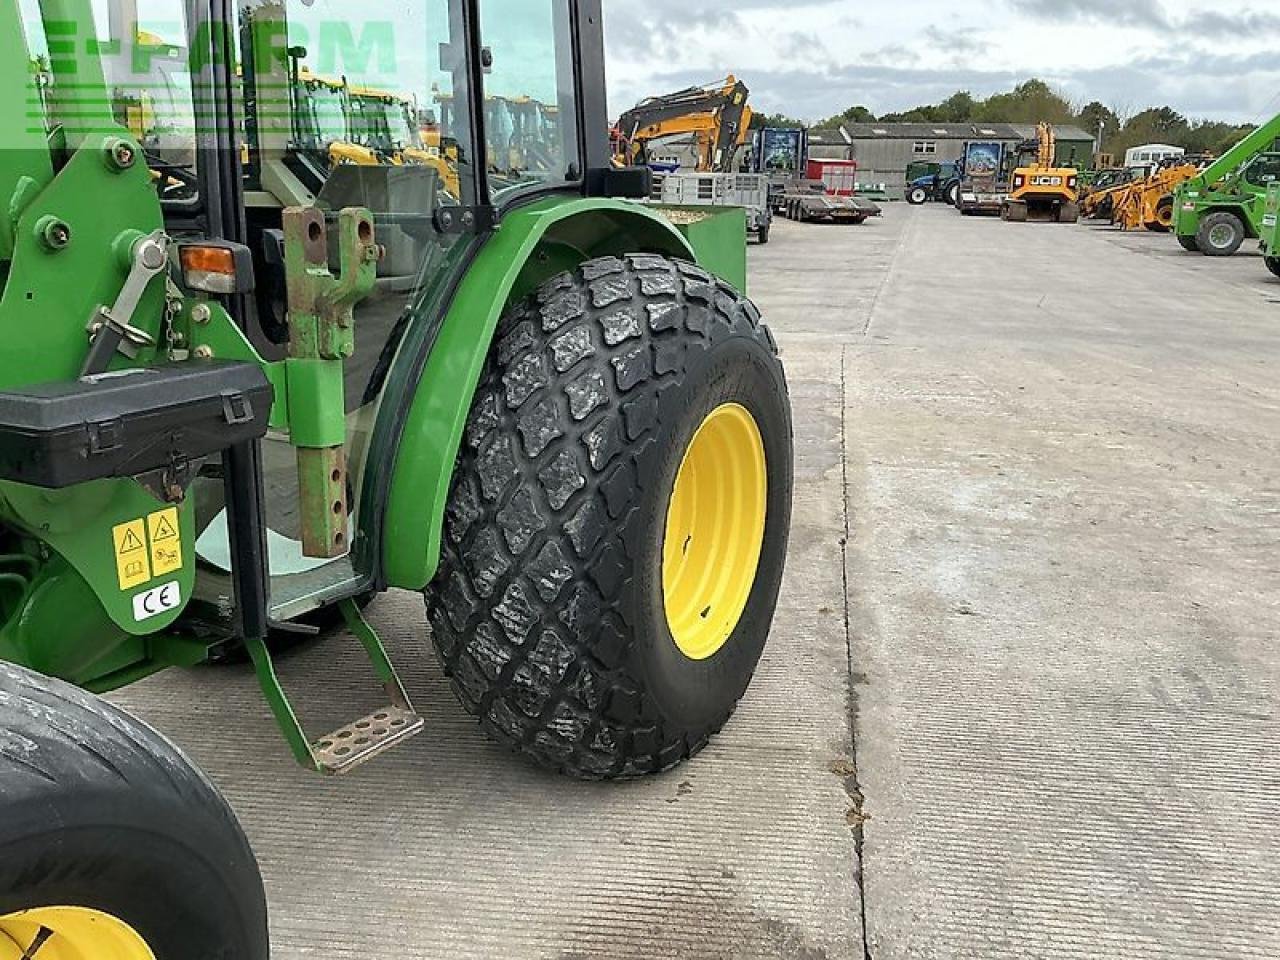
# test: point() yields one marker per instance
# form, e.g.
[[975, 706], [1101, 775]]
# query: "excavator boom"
[[718, 114]]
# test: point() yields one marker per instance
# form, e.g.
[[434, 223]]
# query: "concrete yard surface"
[[1020, 700]]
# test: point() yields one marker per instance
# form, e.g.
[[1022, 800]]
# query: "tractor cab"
[[264, 362], [269, 154], [266, 346]]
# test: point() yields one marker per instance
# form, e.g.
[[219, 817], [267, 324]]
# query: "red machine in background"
[[839, 176]]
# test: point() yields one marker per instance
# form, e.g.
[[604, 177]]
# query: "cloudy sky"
[[813, 58]]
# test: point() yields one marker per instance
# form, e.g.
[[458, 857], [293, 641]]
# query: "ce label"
[[157, 600]]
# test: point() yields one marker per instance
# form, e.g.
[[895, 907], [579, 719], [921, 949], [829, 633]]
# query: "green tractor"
[[243, 392], [1270, 229], [1216, 211]]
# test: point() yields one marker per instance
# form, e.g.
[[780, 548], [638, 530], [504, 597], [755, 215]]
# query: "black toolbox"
[[130, 422]]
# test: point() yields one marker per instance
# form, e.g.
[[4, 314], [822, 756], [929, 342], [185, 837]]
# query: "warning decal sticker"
[[133, 564], [166, 541]]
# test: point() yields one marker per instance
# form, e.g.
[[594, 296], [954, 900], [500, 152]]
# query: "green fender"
[[532, 244]]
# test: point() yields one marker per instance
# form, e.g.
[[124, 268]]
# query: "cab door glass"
[[530, 109], [349, 105], [143, 51]]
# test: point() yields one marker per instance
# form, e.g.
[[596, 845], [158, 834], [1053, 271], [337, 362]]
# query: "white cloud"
[[815, 58]]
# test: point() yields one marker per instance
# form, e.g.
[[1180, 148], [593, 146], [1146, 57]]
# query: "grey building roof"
[[829, 135], [949, 131]]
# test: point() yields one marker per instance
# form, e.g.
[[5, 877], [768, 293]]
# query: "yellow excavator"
[[1042, 190], [717, 116]]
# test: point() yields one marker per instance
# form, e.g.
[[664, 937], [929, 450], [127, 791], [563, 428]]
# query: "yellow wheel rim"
[[69, 933], [715, 529]]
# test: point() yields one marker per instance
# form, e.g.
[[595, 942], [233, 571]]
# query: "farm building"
[[885, 150]]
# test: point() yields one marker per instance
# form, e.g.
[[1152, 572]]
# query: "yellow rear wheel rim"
[[715, 530], [69, 933]]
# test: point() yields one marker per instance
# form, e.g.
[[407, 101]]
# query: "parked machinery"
[[717, 116], [1270, 229], [985, 172], [1097, 199], [1148, 203], [1221, 206], [524, 399], [748, 191], [1041, 190], [809, 199], [941, 185]]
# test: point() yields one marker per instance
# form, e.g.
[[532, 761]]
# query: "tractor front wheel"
[[1163, 221], [917, 196], [1188, 243], [112, 844], [1221, 233], [619, 518], [1273, 264]]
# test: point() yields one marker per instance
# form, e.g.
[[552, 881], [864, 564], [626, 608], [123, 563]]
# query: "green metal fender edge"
[[532, 244]]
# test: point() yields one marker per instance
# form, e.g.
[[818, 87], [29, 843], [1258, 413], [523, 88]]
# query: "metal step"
[[348, 747], [359, 741]]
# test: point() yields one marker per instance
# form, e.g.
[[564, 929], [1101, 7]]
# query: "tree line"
[[1033, 101]]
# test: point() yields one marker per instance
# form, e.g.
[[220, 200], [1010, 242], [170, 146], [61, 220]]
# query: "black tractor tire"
[[1221, 233], [1188, 243], [548, 607], [99, 811], [1069, 213], [917, 196], [762, 235], [953, 194], [1273, 264], [1163, 222]]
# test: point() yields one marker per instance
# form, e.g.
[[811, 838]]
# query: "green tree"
[[856, 114], [960, 107], [1153, 125], [1097, 115], [761, 120], [1029, 102]]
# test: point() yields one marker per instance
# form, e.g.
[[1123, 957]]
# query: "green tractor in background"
[[1270, 229], [1216, 211], [242, 391]]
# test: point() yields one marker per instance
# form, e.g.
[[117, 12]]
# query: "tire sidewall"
[[696, 693], [1208, 225], [173, 892]]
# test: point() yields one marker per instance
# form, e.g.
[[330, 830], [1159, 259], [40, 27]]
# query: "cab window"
[[146, 67], [531, 136]]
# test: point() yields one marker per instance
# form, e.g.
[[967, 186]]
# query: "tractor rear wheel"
[[618, 520], [762, 235], [1069, 213], [1273, 264], [1221, 233], [953, 194], [112, 844]]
